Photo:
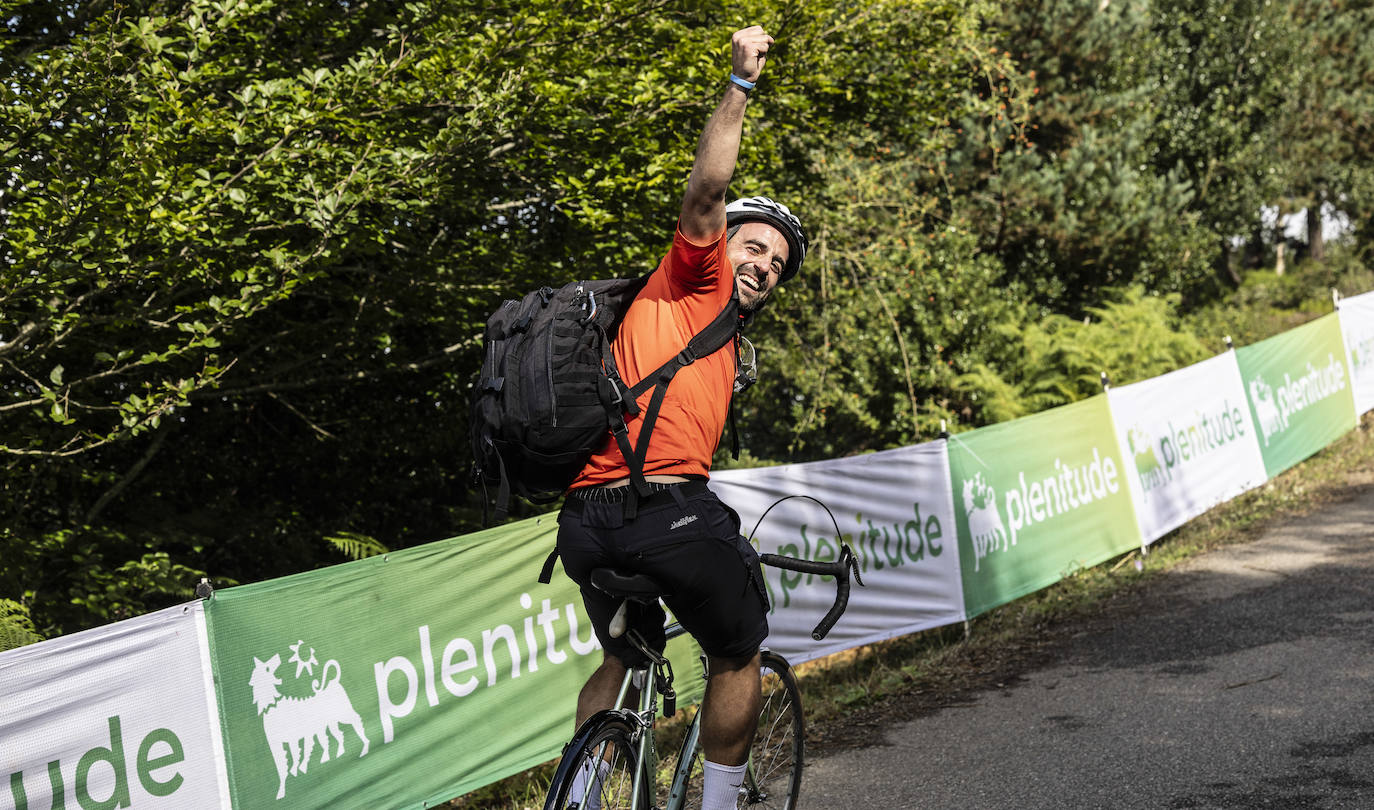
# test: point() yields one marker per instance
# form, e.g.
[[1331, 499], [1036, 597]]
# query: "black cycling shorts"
[[690, 543]]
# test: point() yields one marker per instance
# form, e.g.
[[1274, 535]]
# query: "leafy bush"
[[72, 579], [1267, 303], [1132, 337], [862, 352]]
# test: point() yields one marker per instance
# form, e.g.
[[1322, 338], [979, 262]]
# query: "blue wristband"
[[744, 84]]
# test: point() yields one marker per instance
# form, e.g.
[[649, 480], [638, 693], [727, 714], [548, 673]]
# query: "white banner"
[[1357, 327], [894, 509], [1190, 440], [119, 716]]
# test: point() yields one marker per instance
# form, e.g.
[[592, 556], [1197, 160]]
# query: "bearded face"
[[758, 253]]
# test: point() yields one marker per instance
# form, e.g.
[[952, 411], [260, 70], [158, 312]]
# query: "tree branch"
[[323, 433], [128, 478], [901, 341]]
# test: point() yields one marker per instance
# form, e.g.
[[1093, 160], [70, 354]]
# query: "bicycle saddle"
[[637, 587]]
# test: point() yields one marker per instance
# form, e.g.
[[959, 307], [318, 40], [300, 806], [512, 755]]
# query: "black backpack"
[[549, 391]]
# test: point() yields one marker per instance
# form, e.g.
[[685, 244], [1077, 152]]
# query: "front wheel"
[[773, 779], [599, 768]]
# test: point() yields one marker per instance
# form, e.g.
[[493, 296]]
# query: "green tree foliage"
[[1327, 143], [1068, 200], [1224, 71], [1151, 142], [1030, 187], [249, 245], [207, 264], [68, 578], [170, 190], [864, 355]]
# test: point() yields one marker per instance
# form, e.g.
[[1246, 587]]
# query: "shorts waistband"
[[688, 488]]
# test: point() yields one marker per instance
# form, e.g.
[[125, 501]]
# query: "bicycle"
[[615, 749]]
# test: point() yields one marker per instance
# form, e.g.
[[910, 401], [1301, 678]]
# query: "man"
[[682, 535]]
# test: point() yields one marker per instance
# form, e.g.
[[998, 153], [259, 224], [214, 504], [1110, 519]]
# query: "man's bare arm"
[[703, 206]]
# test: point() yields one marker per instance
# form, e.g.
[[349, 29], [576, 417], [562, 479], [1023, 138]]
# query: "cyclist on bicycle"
[[682, 535]]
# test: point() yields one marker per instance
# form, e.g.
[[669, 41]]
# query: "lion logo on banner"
[[1270, 418], [1146, 462], [294, 725], [985, 527]]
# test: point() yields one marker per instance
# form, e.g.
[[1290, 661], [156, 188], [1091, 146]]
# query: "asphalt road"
[[1242, 679]]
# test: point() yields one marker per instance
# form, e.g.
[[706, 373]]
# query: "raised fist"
[[748, 51]]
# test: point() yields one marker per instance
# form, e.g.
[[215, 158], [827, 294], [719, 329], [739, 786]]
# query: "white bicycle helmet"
[[762, 209]]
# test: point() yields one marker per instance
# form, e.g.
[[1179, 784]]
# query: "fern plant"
[[356, 546], [16, 626], [1133, 336]]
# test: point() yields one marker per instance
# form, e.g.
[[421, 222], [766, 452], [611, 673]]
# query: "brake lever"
[[850, 561]]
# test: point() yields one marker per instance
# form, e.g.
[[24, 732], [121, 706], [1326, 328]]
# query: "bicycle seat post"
[[644, 590], [658, 675]]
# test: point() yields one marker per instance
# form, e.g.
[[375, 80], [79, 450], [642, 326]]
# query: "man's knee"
[[727, 665], [600, 690], [605, 681]]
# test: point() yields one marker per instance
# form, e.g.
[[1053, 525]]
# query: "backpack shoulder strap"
[[710, 339]]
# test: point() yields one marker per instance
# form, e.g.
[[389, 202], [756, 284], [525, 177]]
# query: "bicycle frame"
[[643, 721]]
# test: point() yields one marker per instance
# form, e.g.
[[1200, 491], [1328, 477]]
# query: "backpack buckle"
[[618, 398], [588, 316]]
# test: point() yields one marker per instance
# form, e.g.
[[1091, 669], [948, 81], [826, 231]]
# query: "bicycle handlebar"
[[839, 569]]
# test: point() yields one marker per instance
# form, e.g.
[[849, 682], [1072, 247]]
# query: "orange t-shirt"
[[691, 286]]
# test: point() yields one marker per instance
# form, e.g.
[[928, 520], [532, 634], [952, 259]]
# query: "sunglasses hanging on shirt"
[[746, 364]]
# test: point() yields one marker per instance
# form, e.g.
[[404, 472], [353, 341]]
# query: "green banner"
[[1036, 499], [1298, 384], [406, 679]]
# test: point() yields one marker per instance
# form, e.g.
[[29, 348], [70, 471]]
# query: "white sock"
[[720, 786], [579, 785]]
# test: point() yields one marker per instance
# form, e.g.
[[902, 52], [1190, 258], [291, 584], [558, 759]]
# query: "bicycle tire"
[[616, 788], [778, 751], [776, 756]]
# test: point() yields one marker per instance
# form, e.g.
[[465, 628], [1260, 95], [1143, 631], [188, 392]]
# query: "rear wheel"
[[598, 768], [773, 778]]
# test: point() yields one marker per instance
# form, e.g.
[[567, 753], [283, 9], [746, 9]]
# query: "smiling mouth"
[[750, 282]]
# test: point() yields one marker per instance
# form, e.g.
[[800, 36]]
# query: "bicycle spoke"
[[772, 750], [774, 775], [773, 778]]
